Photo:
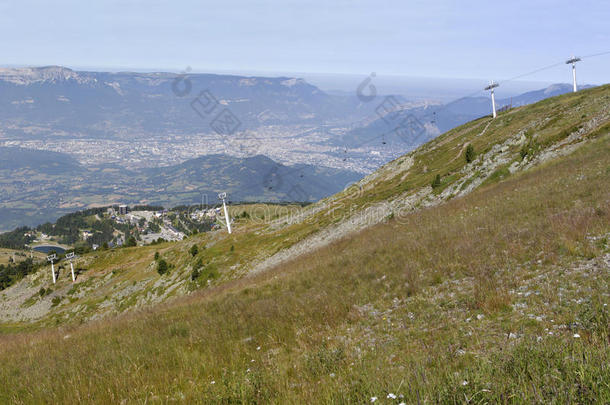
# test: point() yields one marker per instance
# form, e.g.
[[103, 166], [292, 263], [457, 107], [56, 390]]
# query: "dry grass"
[[6, 255], [392, 309]]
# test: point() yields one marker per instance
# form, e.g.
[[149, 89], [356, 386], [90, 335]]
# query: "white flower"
[[392, 396], [213, 382], [480, 316], [403, 403], [464, 383], [576, 335], [373, 399], [258, 348]]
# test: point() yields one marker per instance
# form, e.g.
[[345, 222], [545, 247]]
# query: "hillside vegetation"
[[488, 285]]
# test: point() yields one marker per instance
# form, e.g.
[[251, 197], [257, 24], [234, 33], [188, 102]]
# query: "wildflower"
[[576, 335], [373, 399], [213, 382], [258, 348], [391, 396], [464, 383], [480, 316]]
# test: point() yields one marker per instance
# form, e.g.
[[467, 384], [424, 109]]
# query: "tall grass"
[[389, 310]]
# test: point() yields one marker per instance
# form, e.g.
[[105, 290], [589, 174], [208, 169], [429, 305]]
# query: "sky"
[[444, 39]]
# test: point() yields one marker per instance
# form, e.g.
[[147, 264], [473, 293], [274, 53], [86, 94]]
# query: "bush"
[[232, 248], [194, 250], [437, 181], [131, 242], [55, 301], [162, 267], [195, 274], [156, 256], [469, 155]]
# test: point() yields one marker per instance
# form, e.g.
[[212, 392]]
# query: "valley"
[[73, 140]]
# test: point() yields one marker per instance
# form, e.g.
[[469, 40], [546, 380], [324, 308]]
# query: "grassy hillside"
[[498, 296], [8, 255]]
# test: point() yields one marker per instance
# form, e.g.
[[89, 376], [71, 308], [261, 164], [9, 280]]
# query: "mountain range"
[[100, 104]]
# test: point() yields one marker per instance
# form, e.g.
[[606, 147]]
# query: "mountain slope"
[[518, 140], [481, 287], [441, 118]]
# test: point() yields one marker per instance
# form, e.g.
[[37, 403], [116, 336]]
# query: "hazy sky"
[[465, 39]]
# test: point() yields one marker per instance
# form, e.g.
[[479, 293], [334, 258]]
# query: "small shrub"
[[194, 250], [55, 301], [42, 291], [131, 242], [162, 267], [436, 183], [523, 152], [529, 149], [232, 248], [195, 274], [156, 256], [469, 155]]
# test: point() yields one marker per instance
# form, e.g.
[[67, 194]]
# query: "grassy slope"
[[7, 254], [541, 125], [477, 299], [110, 278]]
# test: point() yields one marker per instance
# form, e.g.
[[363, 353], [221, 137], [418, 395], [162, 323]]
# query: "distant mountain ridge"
[[102, 103]]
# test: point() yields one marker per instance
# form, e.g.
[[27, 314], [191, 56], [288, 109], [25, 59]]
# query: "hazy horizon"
[[414, 87]]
